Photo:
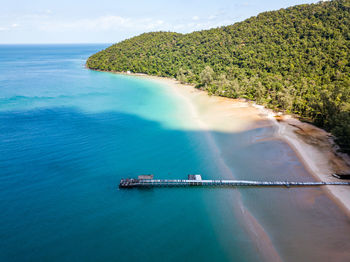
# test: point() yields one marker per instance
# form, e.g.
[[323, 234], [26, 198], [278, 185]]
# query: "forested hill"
[[295, 59]]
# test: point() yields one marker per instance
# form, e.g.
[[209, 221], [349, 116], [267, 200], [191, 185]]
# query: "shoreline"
[[212, 114], [187, 93], [313, 146]]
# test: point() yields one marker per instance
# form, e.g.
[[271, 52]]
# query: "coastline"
[[313, 146], [205, 121], [226, 117]]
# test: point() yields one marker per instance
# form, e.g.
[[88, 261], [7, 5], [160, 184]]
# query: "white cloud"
[[46, 24], [103, 23], [9, 27]]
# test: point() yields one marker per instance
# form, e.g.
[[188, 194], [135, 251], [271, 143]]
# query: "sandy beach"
[[224, 120], [313, 146]]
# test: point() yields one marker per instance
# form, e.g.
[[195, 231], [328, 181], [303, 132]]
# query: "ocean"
[[69, 134]]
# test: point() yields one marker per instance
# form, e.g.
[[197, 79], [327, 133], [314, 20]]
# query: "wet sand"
[[317, 151]]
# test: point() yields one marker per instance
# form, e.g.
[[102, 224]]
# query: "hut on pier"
[[194, 177], [143, 177]]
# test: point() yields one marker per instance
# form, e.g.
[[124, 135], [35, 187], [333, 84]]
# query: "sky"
[[110, 21]]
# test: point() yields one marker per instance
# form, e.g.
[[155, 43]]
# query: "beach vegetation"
[[295, 60]]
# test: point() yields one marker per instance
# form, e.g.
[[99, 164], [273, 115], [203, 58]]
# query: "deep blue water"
[[68, 135]]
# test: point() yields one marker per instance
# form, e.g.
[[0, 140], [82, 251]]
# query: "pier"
[[145, 181]]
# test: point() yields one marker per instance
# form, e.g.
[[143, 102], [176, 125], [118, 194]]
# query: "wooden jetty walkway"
[[196, 180]]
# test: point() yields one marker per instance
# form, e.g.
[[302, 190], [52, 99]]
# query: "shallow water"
[[304, 224], [67, 136]]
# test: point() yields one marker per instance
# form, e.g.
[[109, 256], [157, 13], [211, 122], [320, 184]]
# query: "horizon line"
[[68, 43]]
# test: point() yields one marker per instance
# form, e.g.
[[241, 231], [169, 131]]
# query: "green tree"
[[294, 59], [181, 76], [206, 76]]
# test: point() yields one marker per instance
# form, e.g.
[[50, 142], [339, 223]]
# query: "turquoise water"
[[68, 135]]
